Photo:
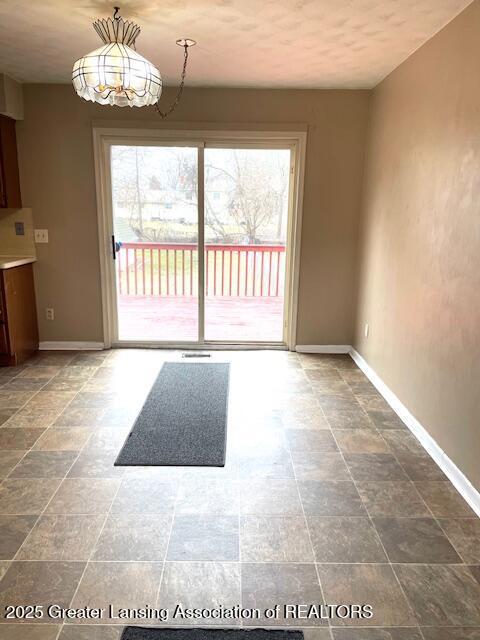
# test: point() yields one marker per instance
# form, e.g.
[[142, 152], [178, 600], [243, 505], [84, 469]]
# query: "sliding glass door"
[[246, 211], [200, 265], [155, 223]]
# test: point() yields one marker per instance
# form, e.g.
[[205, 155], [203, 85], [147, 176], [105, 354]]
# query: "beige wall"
[[57, 178], [10, 243], [420, 248]]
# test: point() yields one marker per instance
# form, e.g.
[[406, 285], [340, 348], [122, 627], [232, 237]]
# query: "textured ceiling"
[[242, 43]]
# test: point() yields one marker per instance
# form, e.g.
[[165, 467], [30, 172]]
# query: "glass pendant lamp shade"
[[116, 74]]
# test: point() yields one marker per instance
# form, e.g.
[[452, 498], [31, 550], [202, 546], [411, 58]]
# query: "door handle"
[[116, 246]]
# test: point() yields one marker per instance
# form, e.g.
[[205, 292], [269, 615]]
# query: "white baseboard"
[[323, 348], [70, 346], [453, 473]]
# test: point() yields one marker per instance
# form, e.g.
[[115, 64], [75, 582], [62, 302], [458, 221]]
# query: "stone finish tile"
[[475, 571], [374, 466], [160, 474], [64, 384], [385, 419], [374, 584], [330, 498], [106, 439], [30, 631], [310, 440], [360, 441], [90, 632], [207, 496], [420, 467], [200, 584], [319, 374], [199, 538], [40, 583], [51, 358], [44, 373], [26, 496], [281, 447], [310, 465], [266, 464], [274, 539], [305, 418], [459, 633], [8, 460], [348, 419], [62, 537], [252, 439], [44, 464], [376, 402], [14, 399], [13, 531], [441, 595], [122, 584], [72, 417], [4, 564], [19, 438], [96, 464], [63, 439], [23, 384], [265, 585], [339, 402], [5, 415], [318, 633], [330, 385], [402, 441], [94, 359], [360, 386], [11, 372], [28, 418], [76, 373], [145, 496], [51, 399], [415, 540], [464, 534], [444, 500], [270, 498], [392, 499], [345, 540], [135, 537], [84, 496]]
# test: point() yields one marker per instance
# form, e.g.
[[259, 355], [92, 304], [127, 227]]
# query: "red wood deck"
[[174, 318]]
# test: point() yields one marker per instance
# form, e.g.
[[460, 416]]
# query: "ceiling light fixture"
[[116, 74]]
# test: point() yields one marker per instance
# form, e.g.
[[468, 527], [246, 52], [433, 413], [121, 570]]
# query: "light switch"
[[41, 235]]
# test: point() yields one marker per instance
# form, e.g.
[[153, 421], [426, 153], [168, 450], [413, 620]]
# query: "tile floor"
[[325, 497]]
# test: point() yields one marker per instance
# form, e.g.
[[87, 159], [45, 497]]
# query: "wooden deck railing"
[[171, 269]]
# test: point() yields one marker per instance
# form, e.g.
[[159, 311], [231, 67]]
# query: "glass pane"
[[155, 214], [246, 211]]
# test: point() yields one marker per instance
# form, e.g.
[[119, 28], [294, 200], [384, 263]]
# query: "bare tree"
[[256, 192]]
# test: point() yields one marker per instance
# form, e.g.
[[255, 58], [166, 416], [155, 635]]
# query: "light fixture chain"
[[164, 114]]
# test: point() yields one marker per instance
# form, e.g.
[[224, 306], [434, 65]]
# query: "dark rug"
[[184, 419], [143, 633]]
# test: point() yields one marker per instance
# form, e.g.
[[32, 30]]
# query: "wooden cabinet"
[[18, 315], [9, 177]]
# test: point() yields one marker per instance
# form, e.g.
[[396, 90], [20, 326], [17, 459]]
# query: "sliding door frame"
[[104, 137]]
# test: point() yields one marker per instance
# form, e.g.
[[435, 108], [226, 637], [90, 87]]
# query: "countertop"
[[8, 262]]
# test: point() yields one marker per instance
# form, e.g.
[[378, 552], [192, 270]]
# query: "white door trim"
[[104, 137]]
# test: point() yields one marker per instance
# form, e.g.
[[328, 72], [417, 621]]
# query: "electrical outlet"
[[41, 235], [367, 330], [19, 229], [50, 313]]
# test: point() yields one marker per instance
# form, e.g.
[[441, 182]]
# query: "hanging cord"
[[164, 114]]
